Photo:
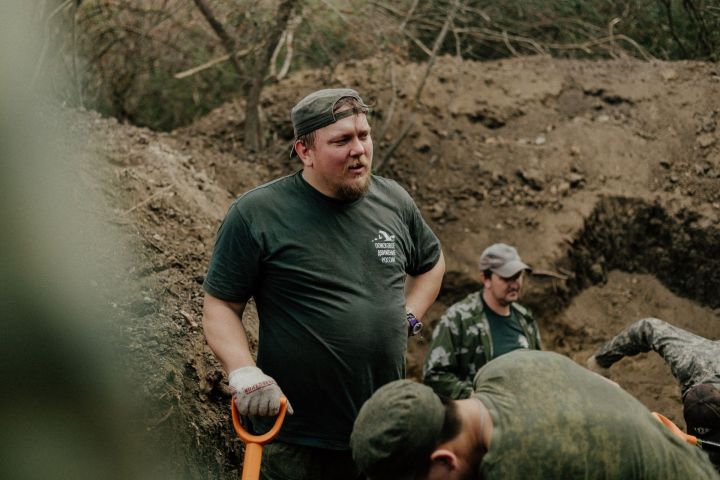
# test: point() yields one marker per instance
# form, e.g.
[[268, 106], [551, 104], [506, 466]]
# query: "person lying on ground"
[[693, 360], [482, 326], [533, 415]]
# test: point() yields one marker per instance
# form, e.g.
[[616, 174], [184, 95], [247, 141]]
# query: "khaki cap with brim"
[[396, 427], [502, 259], [316, 110]]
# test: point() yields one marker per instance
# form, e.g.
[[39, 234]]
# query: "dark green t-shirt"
[[553, 419], [328, 280], [506, 333]]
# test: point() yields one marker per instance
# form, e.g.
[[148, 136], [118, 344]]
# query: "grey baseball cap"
[[502, 259], [398, 426], [316, 110]]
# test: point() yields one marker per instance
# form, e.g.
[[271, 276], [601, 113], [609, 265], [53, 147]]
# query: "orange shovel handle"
[[254, 443], [692, 440]]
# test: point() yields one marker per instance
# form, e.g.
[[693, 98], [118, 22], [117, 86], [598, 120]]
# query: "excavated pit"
[[637, 236], [632, 258]]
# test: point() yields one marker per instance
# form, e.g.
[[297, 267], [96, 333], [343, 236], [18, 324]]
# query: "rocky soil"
[[604, 174]]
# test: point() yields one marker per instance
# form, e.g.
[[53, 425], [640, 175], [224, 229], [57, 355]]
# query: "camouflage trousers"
[[692, 359], [284, 461]]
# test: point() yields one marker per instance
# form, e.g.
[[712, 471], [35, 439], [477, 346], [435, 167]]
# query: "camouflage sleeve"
[[531, 326], [538, 342], [441, 363], [692, 359], [637, 338], [535, 330]]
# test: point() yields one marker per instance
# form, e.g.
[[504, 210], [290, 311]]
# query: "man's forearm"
[[225, 333], [422, 290], [448, 385]]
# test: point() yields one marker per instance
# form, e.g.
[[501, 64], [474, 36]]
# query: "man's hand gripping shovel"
[[254, 443], [691, 439]]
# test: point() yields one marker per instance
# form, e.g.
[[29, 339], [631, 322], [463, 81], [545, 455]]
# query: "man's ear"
[[444, 459], [304, 153]]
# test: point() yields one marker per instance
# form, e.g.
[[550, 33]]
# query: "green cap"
[[396, 428], [316, 110]]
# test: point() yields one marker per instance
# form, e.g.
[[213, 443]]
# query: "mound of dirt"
[[603, 174]]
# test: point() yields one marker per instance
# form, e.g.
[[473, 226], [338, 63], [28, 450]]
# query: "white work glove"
[[255, 392], [593, 366]]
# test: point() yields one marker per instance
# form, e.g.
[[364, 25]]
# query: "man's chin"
[[352, 191]]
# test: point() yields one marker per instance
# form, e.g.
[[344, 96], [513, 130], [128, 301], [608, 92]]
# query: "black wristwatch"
[[414, 325]]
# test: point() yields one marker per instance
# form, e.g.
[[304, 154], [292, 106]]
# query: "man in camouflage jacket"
[[693, 360], [482, 326]]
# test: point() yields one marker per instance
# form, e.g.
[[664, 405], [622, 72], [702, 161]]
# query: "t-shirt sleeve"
[[234, 265], [425, 244]]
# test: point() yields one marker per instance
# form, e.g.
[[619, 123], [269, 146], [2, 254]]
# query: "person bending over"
[[533, 415]]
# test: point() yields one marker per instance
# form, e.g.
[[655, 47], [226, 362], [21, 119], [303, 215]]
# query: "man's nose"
[[357, 148]]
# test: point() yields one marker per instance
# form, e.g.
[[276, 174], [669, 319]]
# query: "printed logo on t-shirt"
[[384, 243]]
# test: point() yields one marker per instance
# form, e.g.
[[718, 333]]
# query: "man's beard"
[[350, 193]]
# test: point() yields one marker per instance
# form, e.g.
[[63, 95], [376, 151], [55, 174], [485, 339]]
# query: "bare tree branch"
[[458, 43], [388, 8], [506, 40], [226, 40], [393, 101], [417, 42], [253, 131], [337, 12], [212, 63], [455, 5], [287, 40], [438, 42], [408, 15]]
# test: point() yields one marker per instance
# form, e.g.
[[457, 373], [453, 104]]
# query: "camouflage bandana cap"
[[395, 428], [502, 259], [316, 110], [701, 409]]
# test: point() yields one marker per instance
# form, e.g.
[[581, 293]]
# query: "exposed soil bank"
[[589, 168]]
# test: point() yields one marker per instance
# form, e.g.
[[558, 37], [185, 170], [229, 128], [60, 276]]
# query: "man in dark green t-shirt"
[[482, 326], [533, 415], [340, 263]]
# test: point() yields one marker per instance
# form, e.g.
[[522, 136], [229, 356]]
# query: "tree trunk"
[[253, 129], [227, 41]]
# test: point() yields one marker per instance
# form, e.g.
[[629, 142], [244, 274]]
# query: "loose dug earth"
[[603, 174]]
